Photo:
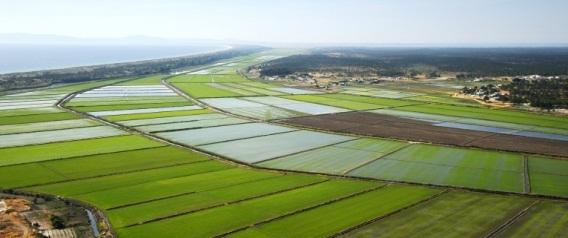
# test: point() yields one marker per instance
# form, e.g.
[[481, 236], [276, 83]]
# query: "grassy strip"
[[327, 220], [454, 214], [130, 106], [184, 204], [139, 116], [216, 221], [60, 150], [12, 120], [77, 187]]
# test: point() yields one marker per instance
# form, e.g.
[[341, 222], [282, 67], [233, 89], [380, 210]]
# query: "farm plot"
[[380, 93], [46, 126], [58, 135], [145, 110], [294, 91], [22, 119], [139, 105], [176, 126], [124, 161], [11, 105], [88, 102], [249, 109], [150, 80], [223, 133], [79, 187], [510, 116], [384, 102], [453, 214], [153, 115], [150, 191], [217, 221], [258, 149], [209, 78], [372, 124], [175, 206], [352, 105], [338, 158], [330, 219], [26, 175], [449, 166], [97, 165], [165, 120], [548, 176], [203, 90], [62, 150], [26, 112], [227, 87], [128, 91], [253, 88], [440, 120], [545, 219], [297, 106]]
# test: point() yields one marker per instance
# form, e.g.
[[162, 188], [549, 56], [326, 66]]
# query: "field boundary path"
[[526, 175], [513, 219]]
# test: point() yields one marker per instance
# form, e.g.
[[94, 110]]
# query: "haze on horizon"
[[442, 22]]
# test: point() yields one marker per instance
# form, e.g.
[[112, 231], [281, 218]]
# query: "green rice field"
[[240, 172]]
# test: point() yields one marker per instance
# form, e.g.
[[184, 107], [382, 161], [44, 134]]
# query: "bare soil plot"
[[371, 124]]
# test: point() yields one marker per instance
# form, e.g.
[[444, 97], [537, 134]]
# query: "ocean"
[[23, 58]]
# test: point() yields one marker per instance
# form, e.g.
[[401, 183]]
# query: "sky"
[[444, 22]]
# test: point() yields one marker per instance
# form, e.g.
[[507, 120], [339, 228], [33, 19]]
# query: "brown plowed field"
[[372, 124]]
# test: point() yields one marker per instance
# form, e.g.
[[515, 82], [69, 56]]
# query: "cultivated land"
[[246, 185]]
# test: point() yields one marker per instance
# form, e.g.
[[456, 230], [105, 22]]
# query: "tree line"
[[544, 93]]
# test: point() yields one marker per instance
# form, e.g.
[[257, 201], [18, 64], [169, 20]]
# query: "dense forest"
[[80, 74], [467, 62], [547, 94]]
